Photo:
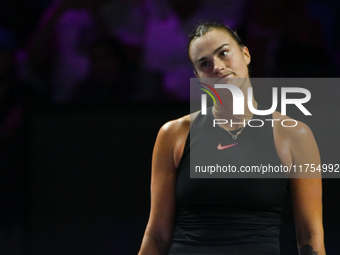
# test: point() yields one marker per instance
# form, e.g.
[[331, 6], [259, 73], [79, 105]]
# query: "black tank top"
[[228, 215]]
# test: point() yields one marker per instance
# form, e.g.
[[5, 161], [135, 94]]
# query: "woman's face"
[[217, 55]]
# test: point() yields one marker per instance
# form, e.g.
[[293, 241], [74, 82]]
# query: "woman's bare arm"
[[306, 192], [169, 143]]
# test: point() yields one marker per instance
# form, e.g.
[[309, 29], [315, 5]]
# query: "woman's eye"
[[224, 53], [204, 64]]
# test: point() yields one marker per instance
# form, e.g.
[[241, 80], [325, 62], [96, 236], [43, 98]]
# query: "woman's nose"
[[218, 66]]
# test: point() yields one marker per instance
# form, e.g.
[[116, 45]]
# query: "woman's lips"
[[228, 75]]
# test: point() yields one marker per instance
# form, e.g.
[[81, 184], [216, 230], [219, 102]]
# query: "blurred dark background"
[[86, 84]]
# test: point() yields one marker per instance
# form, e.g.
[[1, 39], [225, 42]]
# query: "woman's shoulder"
[[288, 127], [171, 138], [293, 139], [179, 125]]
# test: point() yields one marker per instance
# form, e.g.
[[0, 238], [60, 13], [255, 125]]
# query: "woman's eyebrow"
[[219, 48], [214, 52]]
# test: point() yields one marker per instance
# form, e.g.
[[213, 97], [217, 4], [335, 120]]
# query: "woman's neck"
[[226, 112]]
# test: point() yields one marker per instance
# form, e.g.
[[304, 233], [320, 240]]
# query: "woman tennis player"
[[229, 215]]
